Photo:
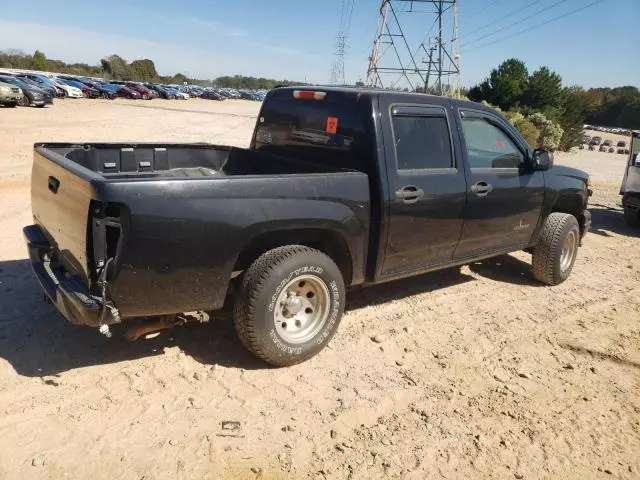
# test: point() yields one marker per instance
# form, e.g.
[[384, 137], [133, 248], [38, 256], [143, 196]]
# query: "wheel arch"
[[330, 242]]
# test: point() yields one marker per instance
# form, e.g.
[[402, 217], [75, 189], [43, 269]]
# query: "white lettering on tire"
[[335, 309], [281, 346]]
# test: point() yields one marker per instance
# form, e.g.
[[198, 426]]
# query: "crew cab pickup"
[[339, 187]]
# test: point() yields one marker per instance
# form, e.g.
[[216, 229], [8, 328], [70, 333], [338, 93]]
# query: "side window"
[[422, 142], [488, 146]]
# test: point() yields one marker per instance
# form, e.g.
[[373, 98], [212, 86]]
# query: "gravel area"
[[472, 372]]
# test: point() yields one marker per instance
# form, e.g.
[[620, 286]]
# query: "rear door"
[[505, 196], [427, 187]]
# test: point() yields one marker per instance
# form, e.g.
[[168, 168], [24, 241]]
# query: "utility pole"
[[394, 62]]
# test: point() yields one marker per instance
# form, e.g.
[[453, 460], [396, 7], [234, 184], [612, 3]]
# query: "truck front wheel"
[[555, 253], [289, 305], [632, 216]]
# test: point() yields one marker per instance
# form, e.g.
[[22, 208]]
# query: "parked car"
[[282, 228], [69, 91], [87, 91], [145, 92], [122, 91], [40, 81], [32, 95], [595, 141], [211, 95], [162, 92], [176, 93], [10, 95], [608, 143], [49, 89], [622, 144], [630, 189], [104, 92]]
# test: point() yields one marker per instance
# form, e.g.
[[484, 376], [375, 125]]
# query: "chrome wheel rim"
[[302, 309], [568, 250]]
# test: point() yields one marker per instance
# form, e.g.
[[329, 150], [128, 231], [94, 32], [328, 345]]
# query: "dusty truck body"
[[339, 187], [630, 189]]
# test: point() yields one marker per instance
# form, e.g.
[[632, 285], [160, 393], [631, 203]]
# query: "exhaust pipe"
[[157, 324]]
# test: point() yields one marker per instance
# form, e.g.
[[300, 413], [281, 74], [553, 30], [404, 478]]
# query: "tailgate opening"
[[106, 234]]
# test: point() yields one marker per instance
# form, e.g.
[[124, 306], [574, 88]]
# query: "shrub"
[[528, 130], [550, 132]]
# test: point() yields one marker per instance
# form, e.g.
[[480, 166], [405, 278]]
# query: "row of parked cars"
[[38, 90], [603, 145]]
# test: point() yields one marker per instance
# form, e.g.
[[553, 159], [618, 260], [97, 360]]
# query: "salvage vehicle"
[[50, 89], [32, 95], [87, 91], [630, 189], [43, 81], [339, 187], [10, 95], [162, 92], [69, 91]]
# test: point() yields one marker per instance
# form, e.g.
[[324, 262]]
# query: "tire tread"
[[252, 281], [548, 248]]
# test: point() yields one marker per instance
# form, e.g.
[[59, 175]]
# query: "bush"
[[528, 130], [550, 132]]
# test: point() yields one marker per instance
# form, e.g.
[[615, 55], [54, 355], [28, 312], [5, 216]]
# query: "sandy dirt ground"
[[482, 372]]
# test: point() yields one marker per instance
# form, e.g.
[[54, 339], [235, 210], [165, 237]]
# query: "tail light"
[[309, 95]]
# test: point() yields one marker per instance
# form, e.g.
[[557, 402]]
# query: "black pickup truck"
[[339, 187]]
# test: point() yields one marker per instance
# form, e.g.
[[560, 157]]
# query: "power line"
[[542, 24], [485, 7], [490, 34], [509, 15]]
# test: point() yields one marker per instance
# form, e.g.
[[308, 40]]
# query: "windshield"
[[15, 81]]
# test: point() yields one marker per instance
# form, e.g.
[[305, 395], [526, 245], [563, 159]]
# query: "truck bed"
[[166, 161], [163, 224]]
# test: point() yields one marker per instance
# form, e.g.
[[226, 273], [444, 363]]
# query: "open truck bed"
[[155, 229]]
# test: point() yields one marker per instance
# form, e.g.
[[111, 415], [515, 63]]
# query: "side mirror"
[[542, 160]]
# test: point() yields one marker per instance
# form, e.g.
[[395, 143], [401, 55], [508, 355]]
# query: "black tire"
[[11, 104], [24, 101], [254, 312], [547, 254], [632, 216]]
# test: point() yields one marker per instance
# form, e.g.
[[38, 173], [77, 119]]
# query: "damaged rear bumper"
[[68, 293]]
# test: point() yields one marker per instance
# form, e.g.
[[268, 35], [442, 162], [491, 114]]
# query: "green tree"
[[143, 70], [39, 61], [507, 83], [116, 67], [544, 89], [572, 118]]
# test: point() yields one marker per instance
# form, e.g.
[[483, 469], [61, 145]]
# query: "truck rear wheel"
[[289, 305], [555, 253]]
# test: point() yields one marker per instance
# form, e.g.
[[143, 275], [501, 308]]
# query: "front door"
[[505, 194], [427, 189]]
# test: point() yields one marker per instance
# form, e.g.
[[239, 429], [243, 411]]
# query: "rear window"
[[422, 142], [329, 131]]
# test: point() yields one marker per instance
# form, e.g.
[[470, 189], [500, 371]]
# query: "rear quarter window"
[[329, 131]]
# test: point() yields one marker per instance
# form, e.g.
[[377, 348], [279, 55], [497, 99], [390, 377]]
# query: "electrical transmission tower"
[[337, 68], [400, 60]]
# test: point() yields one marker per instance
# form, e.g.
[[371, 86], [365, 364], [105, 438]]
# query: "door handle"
[[53, 184], [481, 189], [410, 194]]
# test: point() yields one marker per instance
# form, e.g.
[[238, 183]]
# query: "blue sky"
[[295, 39]]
